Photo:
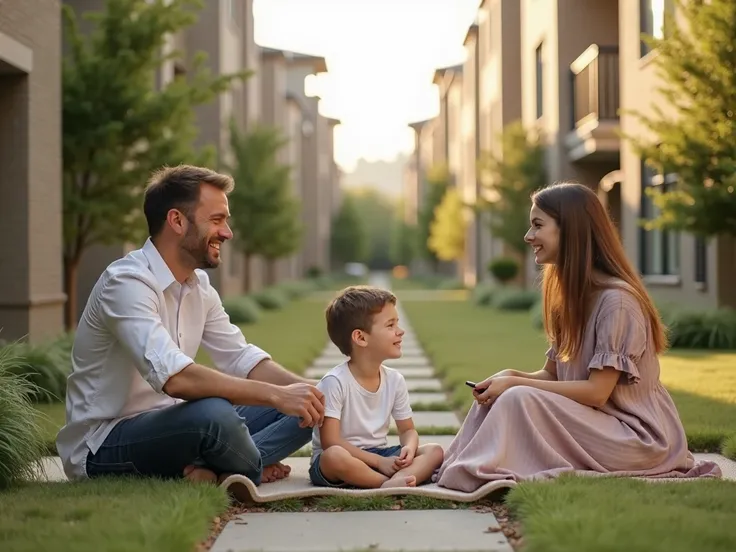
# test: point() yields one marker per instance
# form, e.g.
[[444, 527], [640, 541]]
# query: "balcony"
[[595, 103]]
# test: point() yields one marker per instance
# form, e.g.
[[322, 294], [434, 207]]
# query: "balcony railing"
[[595, 85]]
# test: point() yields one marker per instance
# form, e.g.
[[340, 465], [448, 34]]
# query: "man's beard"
[[196, 249]]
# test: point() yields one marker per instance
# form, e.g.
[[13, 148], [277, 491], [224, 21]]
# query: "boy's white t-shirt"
[[364, 416]]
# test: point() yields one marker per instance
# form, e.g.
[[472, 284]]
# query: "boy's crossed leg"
[[427, 459], [338, 467]]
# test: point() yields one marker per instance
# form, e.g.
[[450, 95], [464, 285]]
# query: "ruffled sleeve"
[[621, 339], [551, 354]]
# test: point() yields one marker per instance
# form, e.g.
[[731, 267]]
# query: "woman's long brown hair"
[[588, 242]]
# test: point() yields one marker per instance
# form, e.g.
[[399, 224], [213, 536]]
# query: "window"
[[659, 250], [539, 61], [701, 261], [235, 11], [652, 15]]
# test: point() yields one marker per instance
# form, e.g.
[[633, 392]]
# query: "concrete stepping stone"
[[406, 530], [416, 361], [405, 353], [52, 469], [419, 362], [427, 398], [319, 371], [425, 385], [406, 346], [433, 419]]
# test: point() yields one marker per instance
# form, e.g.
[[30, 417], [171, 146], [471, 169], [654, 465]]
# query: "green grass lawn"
[[118, 514], [470, 343], [294, 335], [143, 515], [51, 418], [576, 514]]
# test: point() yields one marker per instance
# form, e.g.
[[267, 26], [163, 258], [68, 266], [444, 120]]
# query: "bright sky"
[[381, 55]]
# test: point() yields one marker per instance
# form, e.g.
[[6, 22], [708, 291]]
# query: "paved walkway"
[[406, 530]]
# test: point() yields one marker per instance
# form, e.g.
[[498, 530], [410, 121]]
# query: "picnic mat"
[[297, 485]]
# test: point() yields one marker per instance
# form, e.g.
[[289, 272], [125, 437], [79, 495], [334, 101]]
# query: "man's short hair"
[[354, 309], [178, 188]]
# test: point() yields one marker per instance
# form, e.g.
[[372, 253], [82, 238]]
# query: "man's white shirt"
[[364, 416], [139, 328]]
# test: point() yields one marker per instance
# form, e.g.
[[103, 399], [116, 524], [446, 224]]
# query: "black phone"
[[470, 384]]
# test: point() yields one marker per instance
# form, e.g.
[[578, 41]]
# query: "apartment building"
[[490, 99], [317, 185], [499, 97], [574, 70], [317, 163], [415, 170], [676, 266], [469, 144], [224, 31], [273, 94], [31, 297]]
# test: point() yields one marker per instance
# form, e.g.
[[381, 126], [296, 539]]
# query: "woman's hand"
[[502, 374], [487, 391]]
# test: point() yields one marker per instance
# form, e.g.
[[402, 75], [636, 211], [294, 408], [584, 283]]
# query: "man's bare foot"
[[274, 472], [193, 473], [407, 481]]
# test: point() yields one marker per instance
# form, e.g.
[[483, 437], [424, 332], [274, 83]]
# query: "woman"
[[597, 406]]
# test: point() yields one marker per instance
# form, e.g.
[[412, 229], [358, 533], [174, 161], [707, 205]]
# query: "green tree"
[[376, 212], [403, 242], [264, 210], [508, 180], [348, 240], [447, 232], [285, 228], [437, 182], [692, 131], [118, 127]]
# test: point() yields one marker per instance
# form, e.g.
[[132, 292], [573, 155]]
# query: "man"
[[137, 403]]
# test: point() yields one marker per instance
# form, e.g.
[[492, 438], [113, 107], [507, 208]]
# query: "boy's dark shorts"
[[315, 474]]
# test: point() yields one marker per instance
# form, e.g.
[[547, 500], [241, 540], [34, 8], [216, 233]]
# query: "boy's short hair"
[[354, 309]]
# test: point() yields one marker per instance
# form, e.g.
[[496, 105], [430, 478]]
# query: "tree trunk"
[[246, 272], [71, 269], [522, 270], [271, 272]]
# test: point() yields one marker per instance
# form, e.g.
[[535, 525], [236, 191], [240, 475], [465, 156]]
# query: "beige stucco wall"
[[468, 142], [565, 28], [499, 94], [315, 239], [456, 114], [31, 298]]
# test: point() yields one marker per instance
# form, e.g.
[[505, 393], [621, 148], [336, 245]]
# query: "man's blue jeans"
[[210, 433]]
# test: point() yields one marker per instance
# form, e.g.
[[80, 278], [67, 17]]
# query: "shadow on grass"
[[708, 422]]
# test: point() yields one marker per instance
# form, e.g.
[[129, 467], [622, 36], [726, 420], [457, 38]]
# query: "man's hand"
[[406, 457], [303, 401], [387, 466]]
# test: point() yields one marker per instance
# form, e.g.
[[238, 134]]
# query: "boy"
[[361, 395]]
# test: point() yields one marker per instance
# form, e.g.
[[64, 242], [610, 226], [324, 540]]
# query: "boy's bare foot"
[[274, 472], [407, 481], [193, 473]]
